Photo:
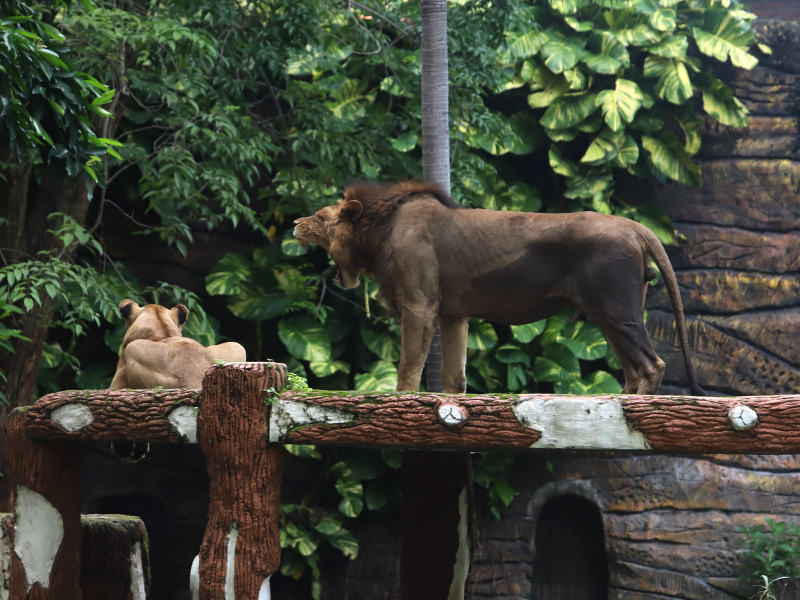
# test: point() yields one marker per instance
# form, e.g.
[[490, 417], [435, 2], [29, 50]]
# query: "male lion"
[[437, 262], [155, 353]]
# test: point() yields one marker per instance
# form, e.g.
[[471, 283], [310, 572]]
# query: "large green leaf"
[[672, 46], [557, 365], [722, 35], [561, 53], [328, 367], [510, 354], [608, 56], [382, 377], [343, 540], [601, 382], [528, 332], [628, 152], [660, 17], [527, 44], [382, 342], [720, 103], [584, 339], [670, 158], [481, 335], [673, 83], [568, 7], [255, 302], [603, 149], [305, 338], [620, 105], [228, 275], [569, 110], [546, 85], [352, 493]]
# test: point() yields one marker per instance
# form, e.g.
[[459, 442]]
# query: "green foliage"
[[771, 556], [617, 80], [350, 479], [45, 101]]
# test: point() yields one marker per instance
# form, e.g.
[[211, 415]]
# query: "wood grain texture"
[[49, 469], [409, 420], [133, 415], [245, 476]]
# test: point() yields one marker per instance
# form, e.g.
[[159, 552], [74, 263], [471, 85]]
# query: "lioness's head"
[[152, 321], [332, 228]]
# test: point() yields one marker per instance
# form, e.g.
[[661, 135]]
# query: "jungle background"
[[160, 152]]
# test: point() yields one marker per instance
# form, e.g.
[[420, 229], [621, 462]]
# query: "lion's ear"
[[179, 314], [129, 310], [350, 210]]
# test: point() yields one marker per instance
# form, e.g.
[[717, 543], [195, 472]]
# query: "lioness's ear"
[[179, 314], [129, 310], [350, 210]]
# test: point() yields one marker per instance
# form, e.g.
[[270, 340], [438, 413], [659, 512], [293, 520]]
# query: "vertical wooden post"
[[437, 505], [45, 562], [241, 547]]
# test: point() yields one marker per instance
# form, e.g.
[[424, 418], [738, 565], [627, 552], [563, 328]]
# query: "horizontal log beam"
[[739, 425], [158, 415]]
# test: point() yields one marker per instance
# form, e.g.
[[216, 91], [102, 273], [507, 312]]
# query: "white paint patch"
[[461, 568], [184, 420], [742, 417], [230, 572], [72, 417], [194, 579], [137, 574], [452, 414], [579, 423], [38, 532], [5, 562], [288, 414], [264, 593]]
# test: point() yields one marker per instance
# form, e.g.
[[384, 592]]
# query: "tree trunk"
[[435, 554]]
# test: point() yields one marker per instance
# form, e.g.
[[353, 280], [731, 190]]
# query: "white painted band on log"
[[579, 423], [184, 420], [194, 579], [288, 414], [137, 573], [72, 417], [264, 593], [230, 571], [38, 532], [742, 417]]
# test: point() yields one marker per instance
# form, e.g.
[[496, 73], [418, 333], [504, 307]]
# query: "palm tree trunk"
[[437, 486]]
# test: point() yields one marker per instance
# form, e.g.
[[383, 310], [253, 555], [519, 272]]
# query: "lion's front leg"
[[454, 353], [416, 333]]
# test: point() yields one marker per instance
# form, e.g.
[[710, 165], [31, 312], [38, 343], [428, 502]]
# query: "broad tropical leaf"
[[602, 150], [547, 86], [669, 157], [569, 110], [510, 354], [382, 342], [673, 83], [527, 44], [568, 7], [481, 335], [561, 53], [584, 339], [343, 540], [382, 377], [305, 338], [619, 105], [329, 367], [720, 103], [672, 46], [723, 36], [525, 334]]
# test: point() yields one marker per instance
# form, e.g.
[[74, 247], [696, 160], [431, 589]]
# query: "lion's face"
[[332, 228], [152, 321]]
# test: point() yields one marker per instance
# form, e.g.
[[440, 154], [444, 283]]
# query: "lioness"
[[438, 262], [155, 353]]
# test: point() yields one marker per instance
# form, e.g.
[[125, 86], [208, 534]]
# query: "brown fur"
[[436, 264], [155, 353]]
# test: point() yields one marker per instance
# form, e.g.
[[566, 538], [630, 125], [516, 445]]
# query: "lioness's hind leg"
[[454, 353]]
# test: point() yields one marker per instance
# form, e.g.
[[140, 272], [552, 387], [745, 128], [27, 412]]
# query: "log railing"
[[241, 423]]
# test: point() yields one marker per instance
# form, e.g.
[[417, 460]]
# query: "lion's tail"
[[659, 255]]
